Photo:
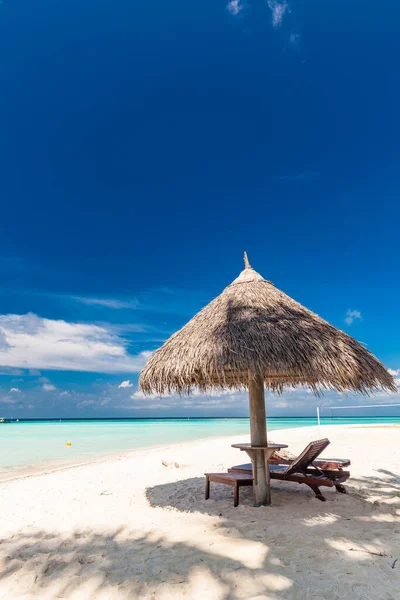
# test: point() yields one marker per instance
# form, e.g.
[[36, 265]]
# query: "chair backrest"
[[307, 457]]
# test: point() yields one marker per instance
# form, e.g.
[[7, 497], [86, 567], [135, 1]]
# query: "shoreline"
[[56, 466]]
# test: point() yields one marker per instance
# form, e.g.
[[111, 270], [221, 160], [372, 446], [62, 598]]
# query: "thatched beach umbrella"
[[254, 336]]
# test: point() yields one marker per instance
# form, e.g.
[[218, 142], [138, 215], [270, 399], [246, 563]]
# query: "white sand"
[[133, 528]]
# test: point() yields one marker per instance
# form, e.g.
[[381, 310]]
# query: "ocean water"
[[35, 445]]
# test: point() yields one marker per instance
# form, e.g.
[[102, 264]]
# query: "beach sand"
[[131, 527]]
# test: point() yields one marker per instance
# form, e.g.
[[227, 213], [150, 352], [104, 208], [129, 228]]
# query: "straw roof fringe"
[[254, 328]]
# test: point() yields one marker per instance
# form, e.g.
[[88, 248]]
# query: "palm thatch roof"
[[254, 328]]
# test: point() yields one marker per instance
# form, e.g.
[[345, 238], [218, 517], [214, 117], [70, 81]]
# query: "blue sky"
[[145, 145]]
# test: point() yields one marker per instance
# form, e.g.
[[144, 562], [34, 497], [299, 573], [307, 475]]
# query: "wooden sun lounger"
[[285, 457], [301, 470], [334, 474], [322, 463], [304, 469], [311, 478]]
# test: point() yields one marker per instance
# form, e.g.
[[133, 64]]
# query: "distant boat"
[[3, 420]]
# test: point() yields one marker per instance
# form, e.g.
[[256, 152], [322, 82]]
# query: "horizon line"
[[18, 419]]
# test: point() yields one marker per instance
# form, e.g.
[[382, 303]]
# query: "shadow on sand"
[[246, 553]]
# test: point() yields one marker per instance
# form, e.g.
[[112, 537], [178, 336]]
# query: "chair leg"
[[235, 494], [317, 492], [340, 488], [207, 494]]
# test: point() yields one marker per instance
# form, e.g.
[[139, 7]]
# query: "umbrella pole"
[[258, 436]]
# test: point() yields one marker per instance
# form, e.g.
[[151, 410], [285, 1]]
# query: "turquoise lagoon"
[[30, 446]]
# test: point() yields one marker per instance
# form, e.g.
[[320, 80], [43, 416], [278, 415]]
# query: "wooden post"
[[258, 435]]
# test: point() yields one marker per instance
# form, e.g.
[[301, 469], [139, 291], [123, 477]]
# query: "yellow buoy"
[[68, 444]]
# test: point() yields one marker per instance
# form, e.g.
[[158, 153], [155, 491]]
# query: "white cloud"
[[234, 7], [4, 345], [278, 9], [65, 394], [125, 384], [139, 395], [15, 390], [352, 315], [36, 343], [48, 387]]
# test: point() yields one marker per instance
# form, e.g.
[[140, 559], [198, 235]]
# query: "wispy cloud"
[[218, 400], [4, 345], [107, 302], [9, 399], [125, 384], [307, 175], [15, 390], [352, 315], [293, 401], [394, 372], [9, 371], [48, 387], [396, 375], [159, 300], [235, 6], [193, 393], [108, 400], [37, 343], [281, 404], [278, 10]]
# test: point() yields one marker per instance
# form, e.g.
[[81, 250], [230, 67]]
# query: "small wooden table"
[[253, 451], [236, 480]]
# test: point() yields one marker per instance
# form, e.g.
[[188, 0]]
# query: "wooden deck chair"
[[285, 457], [304, 470]]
